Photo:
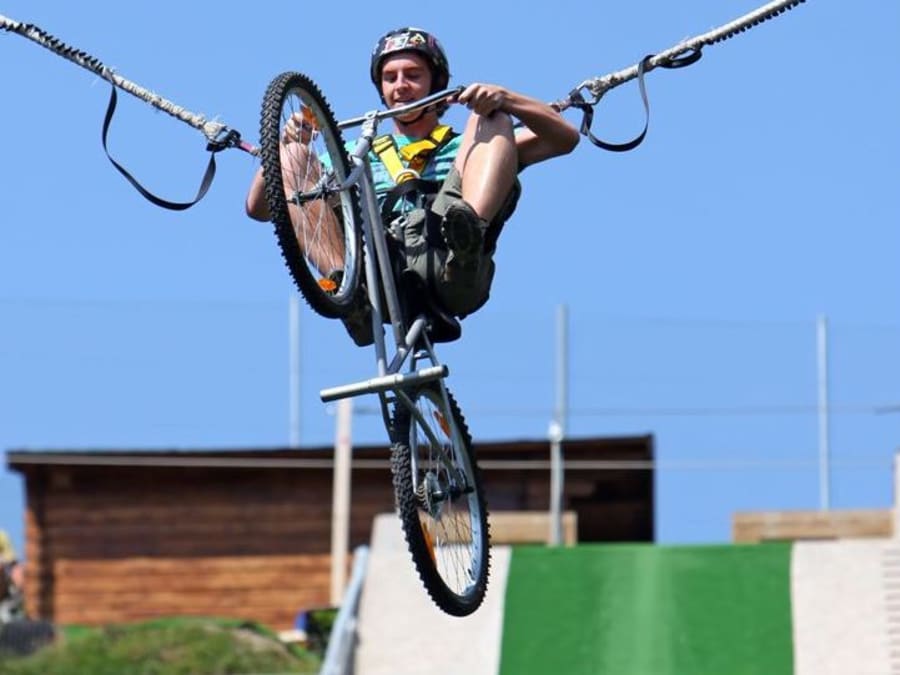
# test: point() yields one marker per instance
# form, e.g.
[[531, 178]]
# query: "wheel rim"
[[449, 506], [326, 246]]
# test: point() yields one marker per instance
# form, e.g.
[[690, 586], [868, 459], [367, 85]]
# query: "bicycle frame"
[[438, 494], [407, 334]]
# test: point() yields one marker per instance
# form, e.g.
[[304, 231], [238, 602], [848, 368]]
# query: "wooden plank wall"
[[123, 543], [269, 589], [246, 545]]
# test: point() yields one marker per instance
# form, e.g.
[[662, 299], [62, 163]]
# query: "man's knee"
[[485, 127]]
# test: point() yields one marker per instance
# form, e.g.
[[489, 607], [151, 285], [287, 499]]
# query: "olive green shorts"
[[460, 292]]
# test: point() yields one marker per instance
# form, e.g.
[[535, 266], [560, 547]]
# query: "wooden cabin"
[[124, 536]]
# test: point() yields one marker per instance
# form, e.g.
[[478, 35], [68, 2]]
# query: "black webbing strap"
[[414, 187], [578, 101], [207, 176]]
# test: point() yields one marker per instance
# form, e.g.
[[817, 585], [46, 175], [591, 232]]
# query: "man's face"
[[405, 77]]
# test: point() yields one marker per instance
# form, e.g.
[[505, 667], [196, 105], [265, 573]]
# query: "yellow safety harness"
[[416, 155]]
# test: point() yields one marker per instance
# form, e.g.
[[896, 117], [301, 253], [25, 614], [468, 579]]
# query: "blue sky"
[[693, 268]]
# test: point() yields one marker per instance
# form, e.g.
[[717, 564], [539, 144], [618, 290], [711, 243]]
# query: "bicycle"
[[328, 225]]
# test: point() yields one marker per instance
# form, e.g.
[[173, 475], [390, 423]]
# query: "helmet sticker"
[[403, 41]]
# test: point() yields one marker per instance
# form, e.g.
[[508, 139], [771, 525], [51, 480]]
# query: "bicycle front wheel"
[[440, 500], [317, 224]]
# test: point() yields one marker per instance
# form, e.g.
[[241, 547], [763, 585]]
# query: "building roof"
[[621, 452]]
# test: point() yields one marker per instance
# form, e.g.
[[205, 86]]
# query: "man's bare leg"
[[487, 162], [319, 233]]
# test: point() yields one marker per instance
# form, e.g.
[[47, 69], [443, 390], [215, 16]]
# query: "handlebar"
[[429, 100]]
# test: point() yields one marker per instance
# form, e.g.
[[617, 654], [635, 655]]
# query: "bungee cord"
[[683, 54], [216, 133], [585, 96]]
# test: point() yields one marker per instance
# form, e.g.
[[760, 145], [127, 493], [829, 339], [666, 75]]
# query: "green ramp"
[[643, 609]]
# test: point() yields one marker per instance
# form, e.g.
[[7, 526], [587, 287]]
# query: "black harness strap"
[[420, 190], [578, 101], [208, 176], [414, 187]]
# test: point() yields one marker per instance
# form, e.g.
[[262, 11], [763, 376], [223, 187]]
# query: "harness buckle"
[[405, 175]]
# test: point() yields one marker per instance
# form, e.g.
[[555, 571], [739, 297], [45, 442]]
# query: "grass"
[[165, 647]]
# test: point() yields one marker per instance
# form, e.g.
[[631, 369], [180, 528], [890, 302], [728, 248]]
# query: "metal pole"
[[340, 507], [557, 430], [556, 480], [294, 371], [824, 450]]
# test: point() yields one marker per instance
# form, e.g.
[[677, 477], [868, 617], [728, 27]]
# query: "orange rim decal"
[[429, 541], [442, 422]]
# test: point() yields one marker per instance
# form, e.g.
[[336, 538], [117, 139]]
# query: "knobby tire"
[[293, 89], [435, 559]]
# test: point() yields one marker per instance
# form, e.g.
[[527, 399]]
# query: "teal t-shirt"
[[439, 164]]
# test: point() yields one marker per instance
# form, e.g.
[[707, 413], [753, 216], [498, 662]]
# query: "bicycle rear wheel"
[[317, 225], [437, 486]]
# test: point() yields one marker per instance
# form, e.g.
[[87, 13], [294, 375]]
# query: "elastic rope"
[[218, 135], [679, 56]]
